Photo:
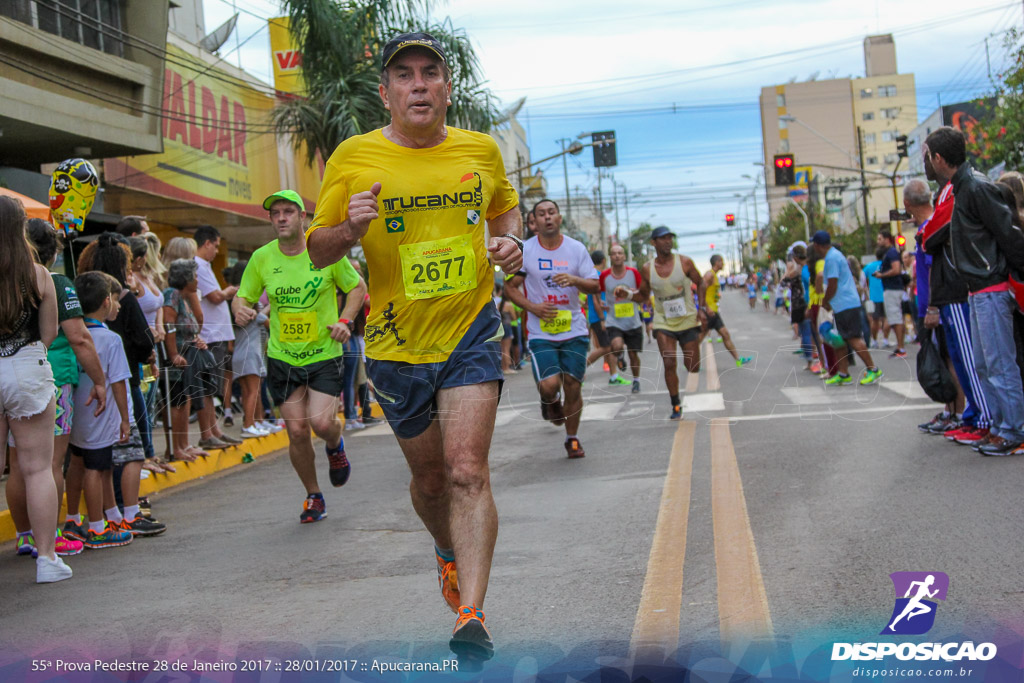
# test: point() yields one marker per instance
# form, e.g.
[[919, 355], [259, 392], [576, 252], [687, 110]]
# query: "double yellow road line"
[[743, 612]]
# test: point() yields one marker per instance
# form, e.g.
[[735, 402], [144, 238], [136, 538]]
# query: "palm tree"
[[341, 41]]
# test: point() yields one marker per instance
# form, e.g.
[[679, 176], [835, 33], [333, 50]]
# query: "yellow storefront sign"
[[286, 57], [220, 150]]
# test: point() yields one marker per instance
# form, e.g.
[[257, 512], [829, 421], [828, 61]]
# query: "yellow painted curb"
[[218, 461]]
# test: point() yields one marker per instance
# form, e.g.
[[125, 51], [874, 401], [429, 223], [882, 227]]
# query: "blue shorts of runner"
[[567, 357], [407, 392]]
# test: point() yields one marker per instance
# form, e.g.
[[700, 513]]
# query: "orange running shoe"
[[470, 638], [448, 581]]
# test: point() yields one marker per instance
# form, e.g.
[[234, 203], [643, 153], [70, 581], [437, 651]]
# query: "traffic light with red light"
[[785, 172], [730, 219], [901, 241]]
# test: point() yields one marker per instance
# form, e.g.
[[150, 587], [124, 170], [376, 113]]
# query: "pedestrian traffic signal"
[[785, 173], [730, 219], [901, 145], [604, 148], [901, 241], [712, 245]]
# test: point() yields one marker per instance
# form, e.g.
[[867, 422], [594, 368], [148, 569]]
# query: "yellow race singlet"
[[429, 275]]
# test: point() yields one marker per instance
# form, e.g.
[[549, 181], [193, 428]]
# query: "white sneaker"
[[253, 432], [353, 424], [51, 571], [271, 427]]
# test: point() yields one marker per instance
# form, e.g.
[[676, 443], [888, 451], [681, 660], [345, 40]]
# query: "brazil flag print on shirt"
[[429, 275]]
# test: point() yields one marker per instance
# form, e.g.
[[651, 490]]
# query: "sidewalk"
[[218, 461]]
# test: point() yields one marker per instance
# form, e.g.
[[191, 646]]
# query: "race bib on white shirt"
[[674, 308]]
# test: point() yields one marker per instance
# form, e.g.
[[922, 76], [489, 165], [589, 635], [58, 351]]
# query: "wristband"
[[344, 321], [518, 242]]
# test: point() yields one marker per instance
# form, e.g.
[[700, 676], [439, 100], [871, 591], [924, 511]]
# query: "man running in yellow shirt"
[[711, 298], [415, 193]]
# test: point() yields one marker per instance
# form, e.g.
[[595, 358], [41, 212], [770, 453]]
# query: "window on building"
[[888, 136], [871, 161], [892, 158], [866, 93], [868, 116], [93, 23], [887, 91], [891, 113], [783, 124], [780, 100], [869, 138]]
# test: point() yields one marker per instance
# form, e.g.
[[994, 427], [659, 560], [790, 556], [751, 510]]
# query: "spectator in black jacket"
[[946, 309], [983, 245], [111, 254]]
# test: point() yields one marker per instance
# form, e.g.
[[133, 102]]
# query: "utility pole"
[[864, 191], [812, 200], [629, 234], [565, 172], [615, 195], [600, 213]]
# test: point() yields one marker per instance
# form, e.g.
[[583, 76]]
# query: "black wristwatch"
[[519, 242]]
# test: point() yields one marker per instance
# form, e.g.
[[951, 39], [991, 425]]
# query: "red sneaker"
[[971, 435]]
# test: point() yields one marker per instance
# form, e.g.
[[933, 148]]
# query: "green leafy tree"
[[341, 42], [788, 227], [639, 240], [1001, 137]]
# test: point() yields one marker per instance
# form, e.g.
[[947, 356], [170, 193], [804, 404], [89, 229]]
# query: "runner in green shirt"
[[304, 358]]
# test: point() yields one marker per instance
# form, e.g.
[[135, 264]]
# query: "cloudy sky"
[[679, 81]]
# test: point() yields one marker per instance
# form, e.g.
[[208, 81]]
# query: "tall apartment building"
[[819, 121]]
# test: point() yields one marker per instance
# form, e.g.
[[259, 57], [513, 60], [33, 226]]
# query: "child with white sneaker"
[[93, 436]]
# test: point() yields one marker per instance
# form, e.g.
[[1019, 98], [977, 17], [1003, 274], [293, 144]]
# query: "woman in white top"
[[151, 300]]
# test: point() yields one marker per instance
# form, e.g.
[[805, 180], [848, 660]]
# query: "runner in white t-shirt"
[[556, 269]]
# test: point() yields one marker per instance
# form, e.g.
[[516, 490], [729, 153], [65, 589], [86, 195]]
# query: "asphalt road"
[[777, 507]]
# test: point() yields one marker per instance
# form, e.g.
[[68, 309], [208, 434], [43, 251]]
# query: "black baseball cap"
[[661, 231], [404, 40]]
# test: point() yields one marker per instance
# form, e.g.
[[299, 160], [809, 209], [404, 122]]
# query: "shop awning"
[[33, 208]]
